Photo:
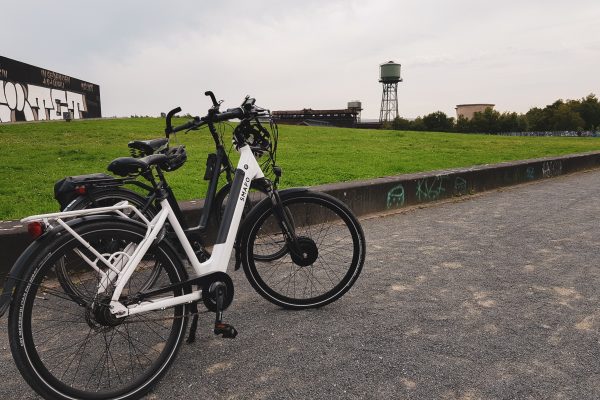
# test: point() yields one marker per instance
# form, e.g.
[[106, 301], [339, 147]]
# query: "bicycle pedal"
[[228, 331]]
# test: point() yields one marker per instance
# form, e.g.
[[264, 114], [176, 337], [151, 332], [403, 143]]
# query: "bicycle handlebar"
[[246, 110], [196, 122], [231, 113]]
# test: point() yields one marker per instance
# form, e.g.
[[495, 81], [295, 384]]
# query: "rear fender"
[[21, 266]]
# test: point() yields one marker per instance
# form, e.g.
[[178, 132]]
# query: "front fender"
[[21, 266], [283, 194]]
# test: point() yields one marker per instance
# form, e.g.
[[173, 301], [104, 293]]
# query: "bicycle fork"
[[301, 248]]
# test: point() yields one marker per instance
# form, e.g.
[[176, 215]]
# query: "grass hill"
[[35, 155]]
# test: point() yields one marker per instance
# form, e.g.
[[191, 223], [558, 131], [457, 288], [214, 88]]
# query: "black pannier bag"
[[66, 189]]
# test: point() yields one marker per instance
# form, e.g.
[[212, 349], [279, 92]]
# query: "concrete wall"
[[382, 194]]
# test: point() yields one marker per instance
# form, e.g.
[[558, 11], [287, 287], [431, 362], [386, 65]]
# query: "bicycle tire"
[[106, 198], [327, 230], [54, 339]]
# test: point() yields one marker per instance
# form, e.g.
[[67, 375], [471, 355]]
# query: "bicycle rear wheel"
[[67, 347], [332, 241]]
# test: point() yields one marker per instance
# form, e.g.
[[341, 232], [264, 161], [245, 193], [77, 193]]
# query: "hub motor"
[[309, 252]]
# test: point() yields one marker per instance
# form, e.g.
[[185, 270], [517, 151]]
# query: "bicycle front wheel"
[[328, 234], [72, 347]]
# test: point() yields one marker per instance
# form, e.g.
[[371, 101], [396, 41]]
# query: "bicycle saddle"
[[124, 166], [148, 147]]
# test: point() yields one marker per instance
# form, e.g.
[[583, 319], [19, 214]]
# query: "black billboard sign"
[[29, 93]]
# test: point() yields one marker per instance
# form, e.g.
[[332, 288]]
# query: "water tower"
[[389, 76]]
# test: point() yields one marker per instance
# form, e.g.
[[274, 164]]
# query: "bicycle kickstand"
[[218, 289], [192, 335]]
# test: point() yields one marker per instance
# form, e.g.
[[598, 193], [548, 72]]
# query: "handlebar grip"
[[173, 112], [212, 97], [169, 127], [229, 114]]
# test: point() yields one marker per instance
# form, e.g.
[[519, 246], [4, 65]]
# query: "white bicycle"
[[114, 330]]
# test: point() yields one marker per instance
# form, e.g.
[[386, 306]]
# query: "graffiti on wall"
[[38, 103], [551, 169], [530, 173], [460, 186], [30, 93], [430, 189], [395, 197]]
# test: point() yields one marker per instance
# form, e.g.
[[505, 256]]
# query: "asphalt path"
[[492, 297]]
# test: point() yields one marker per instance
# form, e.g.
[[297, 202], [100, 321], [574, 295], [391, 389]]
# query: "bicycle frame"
[[247, 170]]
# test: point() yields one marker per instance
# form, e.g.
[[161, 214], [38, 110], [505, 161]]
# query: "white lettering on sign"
[[38, 103], [50, 78]]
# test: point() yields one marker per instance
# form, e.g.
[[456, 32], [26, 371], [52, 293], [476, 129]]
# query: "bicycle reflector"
[[81, 190], [36, 229]]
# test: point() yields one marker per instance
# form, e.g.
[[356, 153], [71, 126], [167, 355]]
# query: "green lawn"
[[33, 156]]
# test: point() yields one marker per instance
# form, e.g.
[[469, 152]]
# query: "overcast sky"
[[150, 56]]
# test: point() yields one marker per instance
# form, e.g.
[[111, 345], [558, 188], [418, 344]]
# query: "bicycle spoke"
[[80, 359]]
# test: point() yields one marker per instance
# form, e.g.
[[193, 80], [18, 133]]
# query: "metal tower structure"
[[389, 77]]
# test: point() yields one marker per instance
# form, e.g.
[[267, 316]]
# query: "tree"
[[401, 124], [565, 119], [511, 122], [537, 120], [486, 121], [438, 121], [463, 125], [589, 109], [418, 124]]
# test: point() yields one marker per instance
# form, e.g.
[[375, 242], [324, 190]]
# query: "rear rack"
[[58, 216]]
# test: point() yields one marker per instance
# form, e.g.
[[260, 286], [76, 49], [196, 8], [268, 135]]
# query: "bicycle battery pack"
[[211, 164]]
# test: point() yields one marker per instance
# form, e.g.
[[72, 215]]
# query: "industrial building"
[[348, 117], [468, 110]]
